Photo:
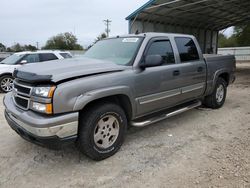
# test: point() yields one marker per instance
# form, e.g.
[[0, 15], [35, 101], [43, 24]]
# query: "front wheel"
[[218, 97], [6, 83], [102, 130]]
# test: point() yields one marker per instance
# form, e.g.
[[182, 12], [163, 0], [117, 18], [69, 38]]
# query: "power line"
[[107, 24]]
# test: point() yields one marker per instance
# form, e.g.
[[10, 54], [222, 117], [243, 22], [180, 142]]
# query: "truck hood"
[[60, 70]]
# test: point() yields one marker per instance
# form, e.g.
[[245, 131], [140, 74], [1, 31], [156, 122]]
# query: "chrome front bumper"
[[42, 126]]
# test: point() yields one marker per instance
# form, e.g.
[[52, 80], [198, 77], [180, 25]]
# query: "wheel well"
[[121, 100], [5, 74], [225, 76]]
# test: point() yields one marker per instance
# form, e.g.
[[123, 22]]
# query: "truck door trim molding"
[[158, 96], [193, 87], [171, 93]]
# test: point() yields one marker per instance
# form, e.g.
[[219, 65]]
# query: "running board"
[[163, 116]]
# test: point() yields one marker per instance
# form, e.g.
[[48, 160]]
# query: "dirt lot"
[[200, 148]]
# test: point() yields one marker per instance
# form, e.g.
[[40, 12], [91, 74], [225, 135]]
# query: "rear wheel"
[[102, 130], [218, 97], [6, 83]]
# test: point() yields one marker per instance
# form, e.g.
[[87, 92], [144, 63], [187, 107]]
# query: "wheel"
[[218, 97], [101, 130], [6, 83]]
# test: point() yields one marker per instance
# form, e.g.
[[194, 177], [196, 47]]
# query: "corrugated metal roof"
[[205, 14]]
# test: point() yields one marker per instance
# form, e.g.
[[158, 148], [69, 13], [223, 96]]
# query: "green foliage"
[[63, 41], [100, 37], [2, 48], [227, 42], [19, 48], [242, 33], [29, 48], [240, 37]]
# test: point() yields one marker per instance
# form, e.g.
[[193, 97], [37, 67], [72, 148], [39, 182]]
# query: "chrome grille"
[[22, 89], [21, 102], [21, 95]]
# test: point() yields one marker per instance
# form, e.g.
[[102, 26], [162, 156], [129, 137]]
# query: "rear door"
[[192, 69]]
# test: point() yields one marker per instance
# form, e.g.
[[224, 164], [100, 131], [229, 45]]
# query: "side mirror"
[[23, 62], [152, 61]]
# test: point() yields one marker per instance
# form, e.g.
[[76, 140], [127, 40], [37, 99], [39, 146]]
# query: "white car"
[[8, 65]]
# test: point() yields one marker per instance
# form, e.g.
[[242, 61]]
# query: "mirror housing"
[[152, 61], [23, 62]]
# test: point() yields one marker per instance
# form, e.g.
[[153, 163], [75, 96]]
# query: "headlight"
[[43, 91], [39, 104], [43, 108]]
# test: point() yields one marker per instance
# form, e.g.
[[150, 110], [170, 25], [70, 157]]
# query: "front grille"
[[22, 89], [21, 95], [21, 102]]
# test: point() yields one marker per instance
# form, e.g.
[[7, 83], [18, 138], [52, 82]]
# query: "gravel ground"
[[199, 148]]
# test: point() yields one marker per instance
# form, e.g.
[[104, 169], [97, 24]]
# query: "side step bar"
[[163, 116]]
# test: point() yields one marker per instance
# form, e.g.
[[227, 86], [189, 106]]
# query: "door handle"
[[200, 69], [176, 73]]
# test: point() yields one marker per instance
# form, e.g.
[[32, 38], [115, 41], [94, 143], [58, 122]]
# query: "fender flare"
[[217, 74], [86, 98]]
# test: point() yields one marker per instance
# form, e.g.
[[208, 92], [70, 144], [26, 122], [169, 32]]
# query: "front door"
[[158, 87]]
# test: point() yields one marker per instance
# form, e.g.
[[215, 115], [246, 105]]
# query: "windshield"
[[118, 50], [12, 60]]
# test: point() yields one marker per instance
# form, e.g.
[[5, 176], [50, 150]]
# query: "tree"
[[2, 48], [242, 33], [29, 48], [240, 37], [227, 41], [19, 48], [63, 41], [100, 37]]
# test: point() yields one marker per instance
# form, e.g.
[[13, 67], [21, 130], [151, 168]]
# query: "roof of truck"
[[155, 34]]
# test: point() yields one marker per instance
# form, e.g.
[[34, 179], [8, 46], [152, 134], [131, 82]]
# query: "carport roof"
[[204, 14]]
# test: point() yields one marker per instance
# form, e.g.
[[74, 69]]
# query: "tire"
[[217, 98], [96, 139], [6, 83]]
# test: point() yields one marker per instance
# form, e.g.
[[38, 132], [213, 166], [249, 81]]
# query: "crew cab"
[[8, 65], [132, 80]]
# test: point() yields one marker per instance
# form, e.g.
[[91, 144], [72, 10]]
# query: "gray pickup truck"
[[132, 80]]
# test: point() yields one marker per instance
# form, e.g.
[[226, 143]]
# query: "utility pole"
[[37, 45], [107, 24]]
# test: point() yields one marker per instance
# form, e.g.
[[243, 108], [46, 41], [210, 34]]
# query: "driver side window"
[[31, 58], [164, 49]]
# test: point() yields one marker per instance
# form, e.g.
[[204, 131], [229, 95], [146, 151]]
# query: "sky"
[[32, 21]]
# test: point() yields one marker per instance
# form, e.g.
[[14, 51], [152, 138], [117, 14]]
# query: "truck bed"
[[216, 57], [215, 63]]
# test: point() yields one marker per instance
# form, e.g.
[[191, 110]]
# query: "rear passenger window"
[[47, 57], [164, 49], [187, 49], [65, 55]]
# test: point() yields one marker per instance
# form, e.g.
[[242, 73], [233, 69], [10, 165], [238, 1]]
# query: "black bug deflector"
[[32, 77]]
